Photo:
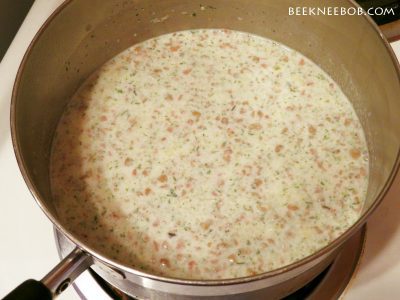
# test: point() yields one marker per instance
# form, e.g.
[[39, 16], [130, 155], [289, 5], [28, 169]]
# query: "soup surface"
[[209, 154]]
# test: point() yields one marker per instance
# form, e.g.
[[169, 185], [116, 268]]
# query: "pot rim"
[[116, 265]]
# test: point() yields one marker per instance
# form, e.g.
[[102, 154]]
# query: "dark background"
[[395, 4], [12, 13]]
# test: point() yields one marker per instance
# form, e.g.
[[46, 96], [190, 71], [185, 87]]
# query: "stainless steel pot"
[[81, 35]]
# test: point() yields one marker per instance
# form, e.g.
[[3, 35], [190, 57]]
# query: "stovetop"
[[27, 248]]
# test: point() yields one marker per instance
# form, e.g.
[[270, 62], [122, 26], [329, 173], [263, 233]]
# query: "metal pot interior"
[[85, 34]]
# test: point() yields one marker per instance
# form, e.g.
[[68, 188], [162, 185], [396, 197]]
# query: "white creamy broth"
[[209, 154]]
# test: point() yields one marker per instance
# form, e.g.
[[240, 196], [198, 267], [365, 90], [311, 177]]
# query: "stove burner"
[[329, 284]]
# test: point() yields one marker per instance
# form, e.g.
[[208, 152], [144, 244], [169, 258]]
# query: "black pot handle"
[[30, 289], [56, 281]]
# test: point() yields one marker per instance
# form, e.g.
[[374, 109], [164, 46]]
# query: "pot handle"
[[56, 281], [388, 23], [391, 31]]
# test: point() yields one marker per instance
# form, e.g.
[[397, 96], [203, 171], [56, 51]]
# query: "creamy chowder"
[[209, 154]]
